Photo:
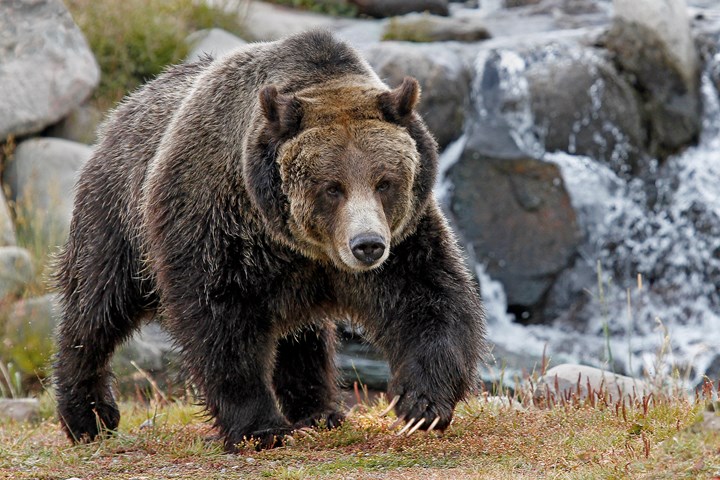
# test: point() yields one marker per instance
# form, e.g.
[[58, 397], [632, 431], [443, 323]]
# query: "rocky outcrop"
[[516, 216], [653, 46], [47, 67]]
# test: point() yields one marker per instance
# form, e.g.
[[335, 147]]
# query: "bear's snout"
[[368, 248]]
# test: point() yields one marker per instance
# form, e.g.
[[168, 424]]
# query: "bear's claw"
[[390, 406], [433, 424]]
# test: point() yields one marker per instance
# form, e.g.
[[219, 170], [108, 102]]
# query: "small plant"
[[134, 40]]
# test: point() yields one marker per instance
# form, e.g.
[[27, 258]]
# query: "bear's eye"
[[333, 190], [382, 186]]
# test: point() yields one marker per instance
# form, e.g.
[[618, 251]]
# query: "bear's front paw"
[[261, 439], [420, 412]]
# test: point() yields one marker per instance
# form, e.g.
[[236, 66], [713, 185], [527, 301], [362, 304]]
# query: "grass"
[[134, 40], [655, 437]]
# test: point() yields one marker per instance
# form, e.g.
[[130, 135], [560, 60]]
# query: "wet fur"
[[183, 208]]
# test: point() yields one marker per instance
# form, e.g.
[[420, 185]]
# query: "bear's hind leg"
[[305, 377], [101, 303]]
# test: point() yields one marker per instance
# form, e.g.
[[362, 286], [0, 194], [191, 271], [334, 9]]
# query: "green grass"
[[134, 40], [655, 437]]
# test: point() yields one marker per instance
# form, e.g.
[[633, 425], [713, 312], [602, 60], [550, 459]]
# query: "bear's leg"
[[228, 347], [430, 324], [305, 377], [100, 299]]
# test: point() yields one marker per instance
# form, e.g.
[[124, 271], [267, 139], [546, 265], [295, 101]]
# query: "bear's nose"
[[367, 248]]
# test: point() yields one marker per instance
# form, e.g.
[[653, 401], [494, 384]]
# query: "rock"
[[16, 271], [265, 21], [359, 361], [20, 409], [41, 178], [432, 28], [391, 8], [215, 42], [519, 3], [29, 332], [80, 125], [47, 67], [562, 380], [7, 227], [152, 350], [559, 97], [582, 106], [653, 46], [444, 79], [515, 214]]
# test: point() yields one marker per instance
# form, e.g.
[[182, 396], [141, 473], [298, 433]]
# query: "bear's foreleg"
[[305, 377], [431, 326]]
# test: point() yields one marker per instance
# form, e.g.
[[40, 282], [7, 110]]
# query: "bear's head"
[[344, 171]]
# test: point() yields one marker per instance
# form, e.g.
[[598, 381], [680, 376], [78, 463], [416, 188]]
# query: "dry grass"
[[648, 438]]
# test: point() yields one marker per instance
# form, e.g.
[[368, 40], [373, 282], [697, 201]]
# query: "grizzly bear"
[[250, 201]]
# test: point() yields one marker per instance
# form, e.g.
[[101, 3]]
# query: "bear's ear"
[[396, 105], [283, 112]]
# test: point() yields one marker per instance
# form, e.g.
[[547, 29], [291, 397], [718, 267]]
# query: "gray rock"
[[80, 125], [16, 271], [152, 350], [47, 67], [41, 178], [265, 21], [564, 380], [20, 409], [516, 215], [433, 28], [359, 361], [7, 226], [215, 42], [581, 105], [444, 79], [391, 8], [652, 44], [558, 97]]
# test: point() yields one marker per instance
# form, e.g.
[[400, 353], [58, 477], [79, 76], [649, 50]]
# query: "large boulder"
[[653, 46], [558, 97], [516, 215], [444, 79], [41, 178], [47, 67]]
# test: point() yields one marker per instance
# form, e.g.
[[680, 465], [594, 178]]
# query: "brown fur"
[[254, 199]]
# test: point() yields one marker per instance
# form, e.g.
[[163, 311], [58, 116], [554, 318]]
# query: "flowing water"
[[649, 266]]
